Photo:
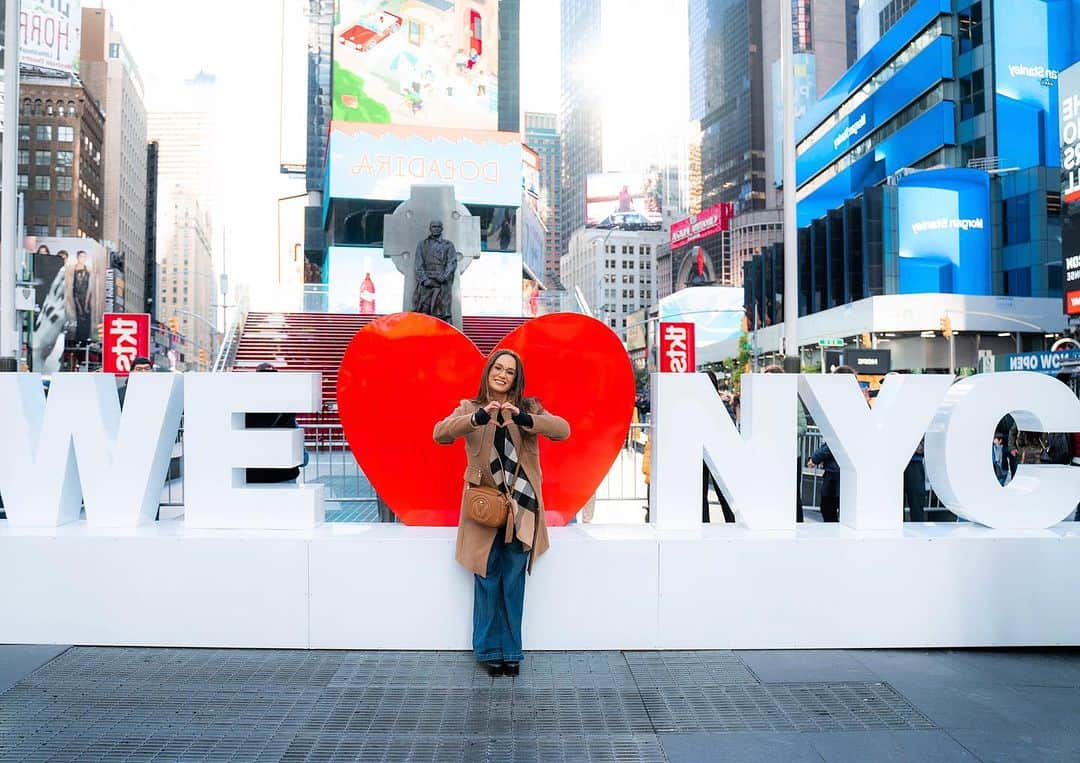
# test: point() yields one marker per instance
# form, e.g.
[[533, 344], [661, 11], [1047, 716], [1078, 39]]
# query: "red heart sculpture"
[[405, 372]]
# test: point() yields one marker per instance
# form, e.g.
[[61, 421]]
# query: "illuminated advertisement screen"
[[944, 232], [715, 311], [804, 66], [702, 225], [50, 34], [1069, 130], [1033, 41], [622, 199], [490, 286], [69, 275], [383, 162], [417, 62]]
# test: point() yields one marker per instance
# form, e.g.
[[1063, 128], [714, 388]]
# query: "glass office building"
[[941, 140]]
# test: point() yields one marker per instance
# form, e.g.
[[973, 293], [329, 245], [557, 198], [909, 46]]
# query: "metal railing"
[[227, 351]]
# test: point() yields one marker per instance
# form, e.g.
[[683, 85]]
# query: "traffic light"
[[946, 327], [174, 325], [202, 357]]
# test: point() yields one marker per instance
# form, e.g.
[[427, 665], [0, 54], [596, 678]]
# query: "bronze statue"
[[436, 265]]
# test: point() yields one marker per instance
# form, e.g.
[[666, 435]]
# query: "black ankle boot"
[[493, 667], [511, 668]]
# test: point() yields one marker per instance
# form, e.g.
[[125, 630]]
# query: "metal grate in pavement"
[[782, 707], [670, 669], [376, 747]]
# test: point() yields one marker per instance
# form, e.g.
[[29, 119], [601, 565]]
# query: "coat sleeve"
[[457, 424], [551, 426]]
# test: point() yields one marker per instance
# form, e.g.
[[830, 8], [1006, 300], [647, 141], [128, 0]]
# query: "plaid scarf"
[[504, 463]]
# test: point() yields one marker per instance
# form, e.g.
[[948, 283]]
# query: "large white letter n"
[[755, 469]]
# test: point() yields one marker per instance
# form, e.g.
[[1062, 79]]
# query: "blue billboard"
[[943, 221], [1033, 41]]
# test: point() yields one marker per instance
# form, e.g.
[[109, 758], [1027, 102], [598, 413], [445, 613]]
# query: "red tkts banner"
[[125, 336], [677, 348]]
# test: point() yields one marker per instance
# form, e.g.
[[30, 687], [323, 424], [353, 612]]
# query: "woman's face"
[[43, 249], [502, 374]]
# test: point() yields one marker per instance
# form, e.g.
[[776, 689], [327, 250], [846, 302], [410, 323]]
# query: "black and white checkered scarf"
[[504, 463]]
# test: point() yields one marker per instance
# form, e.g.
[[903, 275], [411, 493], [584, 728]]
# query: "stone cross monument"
[[410, 226]]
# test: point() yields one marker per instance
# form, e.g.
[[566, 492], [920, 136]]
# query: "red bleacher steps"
[[317, 342]]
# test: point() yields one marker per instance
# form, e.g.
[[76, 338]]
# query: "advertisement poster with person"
[[407, 62], [69, 284], [624, 200]]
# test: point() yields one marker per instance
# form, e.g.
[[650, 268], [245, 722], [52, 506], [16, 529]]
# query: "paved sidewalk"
[[105, 704]]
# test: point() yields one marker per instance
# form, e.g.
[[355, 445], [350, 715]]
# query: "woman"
[[77, 287], [500, 426]]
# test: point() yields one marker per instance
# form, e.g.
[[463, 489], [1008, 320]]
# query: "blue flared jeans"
[[498, 602]]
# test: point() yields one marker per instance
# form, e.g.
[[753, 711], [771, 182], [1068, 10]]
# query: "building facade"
[[931, 166], [614, 271], [726, 102], [60, 158], [186, 165], [109, 72], [580, 117], [542, 136]]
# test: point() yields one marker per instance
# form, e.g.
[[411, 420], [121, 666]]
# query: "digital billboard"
[[369, 161], [417, 62], [804, 66], [1069, 130], [50, 34], [490, 286], [1033, 41], [715, 311], [69, 275], [610, 197], [943, 218]]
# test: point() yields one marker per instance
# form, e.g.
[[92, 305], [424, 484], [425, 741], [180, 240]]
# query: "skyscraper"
[[186, 196], [726, 100], [542, 136], [580, 118], [110, 74]]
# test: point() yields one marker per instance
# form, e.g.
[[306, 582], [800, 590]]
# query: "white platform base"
[[600, 587]]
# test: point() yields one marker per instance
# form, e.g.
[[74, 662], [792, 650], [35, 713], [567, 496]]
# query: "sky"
[[644, 71]]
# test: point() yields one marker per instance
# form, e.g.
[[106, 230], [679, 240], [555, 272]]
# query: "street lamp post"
[[792, 356]]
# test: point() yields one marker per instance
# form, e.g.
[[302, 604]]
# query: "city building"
[[60, 164], [930, 169], [150, 279], [698, 252], [727, 103], [613, 269], [875, 18], [542, 136], [109, 72], [186, 195], [580, 115], [320, 49]]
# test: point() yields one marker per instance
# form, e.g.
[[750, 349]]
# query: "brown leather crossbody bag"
[[490, 506]]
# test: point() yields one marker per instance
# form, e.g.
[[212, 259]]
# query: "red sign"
[[705, 223], [677, 348], [125, 337], [1072, 303]]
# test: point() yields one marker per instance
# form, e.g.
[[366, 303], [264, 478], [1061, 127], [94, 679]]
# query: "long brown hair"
[[517, 389]]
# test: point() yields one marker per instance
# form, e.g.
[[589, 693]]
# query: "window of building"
[[1016, 220], [65, 134], [42, 182], [972, 95], [63, 230], [24, 156], [43, 158], [65, 158], [976, 149], [22, 182], [71, 108], [1018, 282], [43, 132], [24, 132], [970, 31], [48, 108], [63, 183], [39, 230]]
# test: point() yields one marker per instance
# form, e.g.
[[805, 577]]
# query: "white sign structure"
[[255, 566]]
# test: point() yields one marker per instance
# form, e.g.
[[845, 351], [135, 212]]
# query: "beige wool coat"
[[473, 539]]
